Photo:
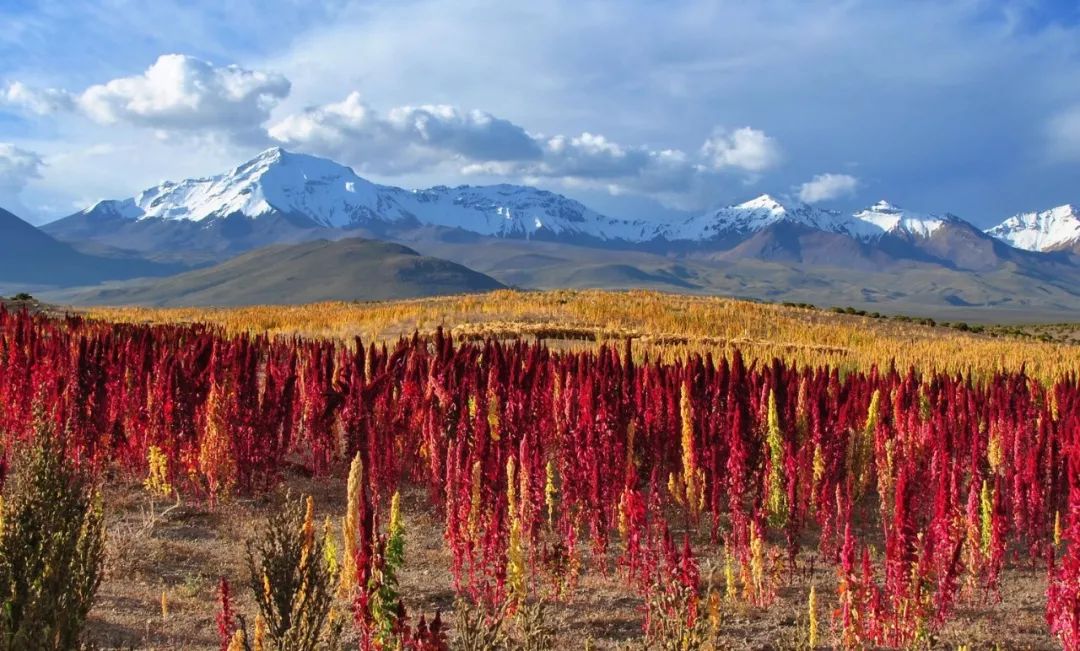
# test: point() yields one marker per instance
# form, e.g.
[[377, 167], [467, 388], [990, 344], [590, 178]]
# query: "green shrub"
[[52, 547]]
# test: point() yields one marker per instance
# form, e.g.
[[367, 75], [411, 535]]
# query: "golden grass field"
[[664, 325]]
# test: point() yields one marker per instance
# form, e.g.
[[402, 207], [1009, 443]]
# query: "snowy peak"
[[113, 209], [333, 196], [519, 211], [750, 217], [1048, 230], [274, 181], [887, 218], [763, 203]]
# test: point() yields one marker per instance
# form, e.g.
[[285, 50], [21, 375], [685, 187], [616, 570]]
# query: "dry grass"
[[663, 325]]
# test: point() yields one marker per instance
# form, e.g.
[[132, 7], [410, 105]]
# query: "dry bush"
[[480, 628], [292, 584]]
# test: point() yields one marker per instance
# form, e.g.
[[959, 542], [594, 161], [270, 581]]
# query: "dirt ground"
[[182, 551]]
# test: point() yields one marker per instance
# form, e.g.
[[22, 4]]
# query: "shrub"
[[481, 627], [292, 584], [478, 628], [676, 623], [385, 608], [51, 548]]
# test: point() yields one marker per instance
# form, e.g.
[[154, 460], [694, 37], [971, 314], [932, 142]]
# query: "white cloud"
[[37, 101], [176, 93], [182, 92], [406, 138], [747, 149], [473, 134], [17, 168], [593, 160], [825, 187], [636, 72], [411, 139], [1064, 134]]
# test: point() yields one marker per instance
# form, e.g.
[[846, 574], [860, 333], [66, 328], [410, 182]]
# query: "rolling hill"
[[351, 269]]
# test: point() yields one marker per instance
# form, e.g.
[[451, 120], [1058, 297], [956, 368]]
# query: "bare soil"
[[179, 553]]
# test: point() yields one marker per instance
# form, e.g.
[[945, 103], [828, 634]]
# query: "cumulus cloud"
[[414, 138], [407, 137], [825, 187], [1064, 134], [37, 101], [473, 134], [182, 92], [747, 149], [591, 159], [176, 93]]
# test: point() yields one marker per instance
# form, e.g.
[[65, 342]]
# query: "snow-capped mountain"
[[749, 217], [326, 193], [329, 195], [1049, 230], [876, 237], [884, 218], [282, 197], [867, 225]]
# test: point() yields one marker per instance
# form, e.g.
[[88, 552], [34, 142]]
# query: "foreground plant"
[[52, 548], [521, 626], [291, 582], [675, 623], [385, 610]]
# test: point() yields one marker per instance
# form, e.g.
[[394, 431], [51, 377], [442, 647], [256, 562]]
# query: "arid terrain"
[[180, 554]]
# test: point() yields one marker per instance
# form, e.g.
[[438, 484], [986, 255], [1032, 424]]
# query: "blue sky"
[[639, 108]]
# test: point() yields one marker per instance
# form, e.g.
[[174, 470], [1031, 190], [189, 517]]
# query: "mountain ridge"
[[332, 195], [319, 193]]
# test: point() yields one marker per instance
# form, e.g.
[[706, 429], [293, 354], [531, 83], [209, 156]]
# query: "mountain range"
[[542, 239], [278, 196]]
